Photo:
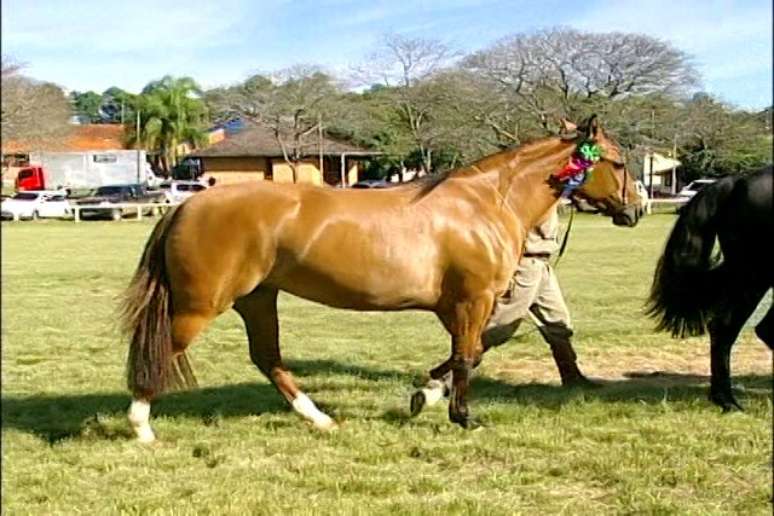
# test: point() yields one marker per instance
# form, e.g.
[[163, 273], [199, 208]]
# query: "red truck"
[[30, 178], [88, 169]]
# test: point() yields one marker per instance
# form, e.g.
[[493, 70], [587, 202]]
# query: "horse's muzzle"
[[628, 216]]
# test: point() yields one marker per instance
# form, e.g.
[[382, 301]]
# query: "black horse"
[[695, 289]]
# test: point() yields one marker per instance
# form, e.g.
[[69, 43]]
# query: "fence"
[[154, 207]]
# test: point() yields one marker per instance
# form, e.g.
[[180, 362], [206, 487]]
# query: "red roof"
[[81, 138]]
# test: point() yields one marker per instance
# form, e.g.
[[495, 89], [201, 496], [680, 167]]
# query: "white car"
[[178, 191], [36, 204], [694, 187]]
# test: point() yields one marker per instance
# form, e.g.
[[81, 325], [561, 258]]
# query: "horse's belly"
[[348, 287]]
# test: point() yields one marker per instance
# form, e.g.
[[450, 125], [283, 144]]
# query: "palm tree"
[[171, 112]]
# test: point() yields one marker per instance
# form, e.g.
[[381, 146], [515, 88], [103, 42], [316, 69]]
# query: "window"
[[198, 188], [183, 188], [24, 174], [25, 196], [105, 158]]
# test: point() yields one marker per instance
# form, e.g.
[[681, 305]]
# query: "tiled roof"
[[259, 141], [80, 138]]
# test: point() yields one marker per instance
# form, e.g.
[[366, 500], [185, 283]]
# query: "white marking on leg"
[[433, 391], [306, 407], [139, 416]]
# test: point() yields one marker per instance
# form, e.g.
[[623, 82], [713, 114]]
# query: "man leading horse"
[[534, 292]]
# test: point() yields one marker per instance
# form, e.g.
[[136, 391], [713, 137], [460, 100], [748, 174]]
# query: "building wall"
[[227, 170], [308, 172], [226, 178], [353, 172], [236, 170]]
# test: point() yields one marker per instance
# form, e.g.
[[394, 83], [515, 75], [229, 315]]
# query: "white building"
[[659, 173]]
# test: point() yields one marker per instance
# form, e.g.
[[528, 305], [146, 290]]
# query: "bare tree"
[[296, 104], [31, 110], [556, 72], [405, 68]]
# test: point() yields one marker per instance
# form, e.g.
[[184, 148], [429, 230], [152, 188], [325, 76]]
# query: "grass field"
[[646, 442]]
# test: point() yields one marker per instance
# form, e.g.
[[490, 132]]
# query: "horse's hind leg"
[[724, 328], [185, 327], [259, 311]]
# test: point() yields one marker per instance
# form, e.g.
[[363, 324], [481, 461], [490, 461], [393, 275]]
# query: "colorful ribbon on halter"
[[578, 170]]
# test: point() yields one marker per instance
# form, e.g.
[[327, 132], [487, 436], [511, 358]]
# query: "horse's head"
[[597, 173]]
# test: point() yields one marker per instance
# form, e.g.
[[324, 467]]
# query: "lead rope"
[[566, 236]]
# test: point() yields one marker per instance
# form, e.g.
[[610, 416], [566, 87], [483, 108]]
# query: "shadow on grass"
[[54, 418], [640, 387]]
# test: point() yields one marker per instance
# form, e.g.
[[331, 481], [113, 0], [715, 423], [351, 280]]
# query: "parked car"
[[178, 191], [102, 202], [37, 204], [694, 187], [372, 183]]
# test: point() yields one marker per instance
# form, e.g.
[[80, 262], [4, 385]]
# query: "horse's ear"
[[567, 130], [592, 128]]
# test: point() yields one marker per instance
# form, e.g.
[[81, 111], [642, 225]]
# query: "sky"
[[93, 45]]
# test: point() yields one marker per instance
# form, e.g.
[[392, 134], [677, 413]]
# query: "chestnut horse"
[[447, 245]]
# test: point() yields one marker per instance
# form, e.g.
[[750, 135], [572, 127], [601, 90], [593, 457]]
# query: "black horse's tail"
[[152, 366], [687, 281]]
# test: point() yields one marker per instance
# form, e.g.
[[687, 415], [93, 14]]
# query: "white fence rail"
[[677, 202]]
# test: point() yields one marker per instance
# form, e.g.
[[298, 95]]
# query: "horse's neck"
[[528, 190]]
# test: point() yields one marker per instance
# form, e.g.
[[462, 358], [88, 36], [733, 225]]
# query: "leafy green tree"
[[171, 112], [117, 105], [87, 105]]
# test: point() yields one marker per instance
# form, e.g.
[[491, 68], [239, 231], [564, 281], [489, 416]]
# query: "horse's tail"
[[687, 283], [152, 367]]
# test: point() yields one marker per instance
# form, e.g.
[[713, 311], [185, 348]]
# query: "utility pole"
[[320, 141], [651, 175], [137, 140], [674, 167]]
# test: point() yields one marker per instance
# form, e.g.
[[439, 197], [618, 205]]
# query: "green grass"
[[649, 444]]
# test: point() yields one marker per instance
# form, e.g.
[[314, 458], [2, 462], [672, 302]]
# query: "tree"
[[404, 68], [297, 104], [716, 140], [171, 112], [87, 105], [31, 110], [116, 105], [558, 72]]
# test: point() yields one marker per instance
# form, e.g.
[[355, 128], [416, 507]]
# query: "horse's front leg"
[[465, 321]]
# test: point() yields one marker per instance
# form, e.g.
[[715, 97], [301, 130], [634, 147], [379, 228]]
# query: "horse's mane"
[[427, 183]]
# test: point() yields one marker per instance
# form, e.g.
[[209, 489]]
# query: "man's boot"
[[558, 337]]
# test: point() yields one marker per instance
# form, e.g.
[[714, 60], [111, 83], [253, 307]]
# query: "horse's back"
[[346, 248], [747, 224]]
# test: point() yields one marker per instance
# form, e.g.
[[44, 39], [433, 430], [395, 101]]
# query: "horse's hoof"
[[581, 382], [726, 402], [472, 424], [418, 400], [469, 423]]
